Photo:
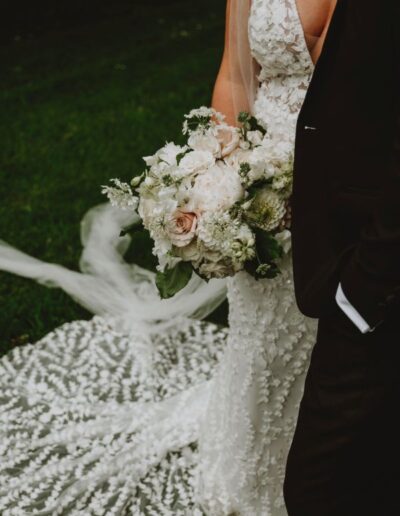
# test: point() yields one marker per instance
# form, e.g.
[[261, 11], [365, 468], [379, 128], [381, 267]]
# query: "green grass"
[[81, 106]]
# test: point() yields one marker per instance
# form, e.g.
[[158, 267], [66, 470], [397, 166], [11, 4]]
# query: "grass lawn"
[[80, 106]]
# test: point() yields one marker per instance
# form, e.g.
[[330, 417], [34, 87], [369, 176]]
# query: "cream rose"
[[199, 141], [218, 188], [237, 157], [196, 161], [216, 269], [181, 227], [189, 253], [228, 138]]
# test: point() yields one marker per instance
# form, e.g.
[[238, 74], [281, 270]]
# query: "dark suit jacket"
[[346, 196]]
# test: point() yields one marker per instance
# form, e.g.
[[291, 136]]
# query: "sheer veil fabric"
[[243, 68]]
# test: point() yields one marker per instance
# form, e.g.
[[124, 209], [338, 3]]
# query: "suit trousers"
[[345, 455]]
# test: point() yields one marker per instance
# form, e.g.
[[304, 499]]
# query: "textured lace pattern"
[[98, 422], [278, 44], [197, 420]]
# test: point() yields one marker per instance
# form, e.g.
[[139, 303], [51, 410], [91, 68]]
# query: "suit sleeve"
[[370, 278]]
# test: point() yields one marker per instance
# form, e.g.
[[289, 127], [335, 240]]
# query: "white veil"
[[243, 68], [107, 285]]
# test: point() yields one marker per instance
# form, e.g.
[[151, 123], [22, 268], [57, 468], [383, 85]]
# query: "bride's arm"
[[222, 99]]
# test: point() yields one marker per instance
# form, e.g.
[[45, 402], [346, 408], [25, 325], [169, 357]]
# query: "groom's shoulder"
[[376, 5], [381, 11]]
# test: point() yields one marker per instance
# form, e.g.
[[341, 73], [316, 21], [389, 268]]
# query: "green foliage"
[[79, 107], [249, 123], [269, 252], [173, 280]]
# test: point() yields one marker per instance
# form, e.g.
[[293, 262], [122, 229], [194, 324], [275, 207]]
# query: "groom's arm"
[[370, 279]]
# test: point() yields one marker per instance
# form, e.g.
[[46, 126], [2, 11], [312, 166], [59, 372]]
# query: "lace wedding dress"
[[144, 410]]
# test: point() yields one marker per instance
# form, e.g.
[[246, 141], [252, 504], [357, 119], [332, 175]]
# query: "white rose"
[[228, 138], [196, 161], [259, 161], [167, 154], [217, 189], [205, 142], [152, 210], [145, 209]]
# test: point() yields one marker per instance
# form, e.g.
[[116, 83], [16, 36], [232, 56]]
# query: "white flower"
[[196, 161], [222, 237], [217, 269], [237, 157], [154, 212], [217, 189], [270, 159], [170, 152], [259, 161], [284, 238], [189, 253], [166, 260], [203, 117], [206, 142], [121, 195], [202, 112], [255, 137], [267, 210], [245, 145], [283, 181], [167, 154]]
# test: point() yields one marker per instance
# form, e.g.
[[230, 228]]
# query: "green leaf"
[[128, 230], [255, 126], [180, 156], [268, 248], [173, 280], [262, 270], [255, 188], [243, 117]]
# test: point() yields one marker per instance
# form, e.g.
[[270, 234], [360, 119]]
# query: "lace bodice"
[[277, 39], [278, 44]]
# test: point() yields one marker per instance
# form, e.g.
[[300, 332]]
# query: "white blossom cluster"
[[204, 201], [121, 195]]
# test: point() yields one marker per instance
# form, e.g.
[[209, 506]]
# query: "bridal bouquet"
[[216, 205]]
